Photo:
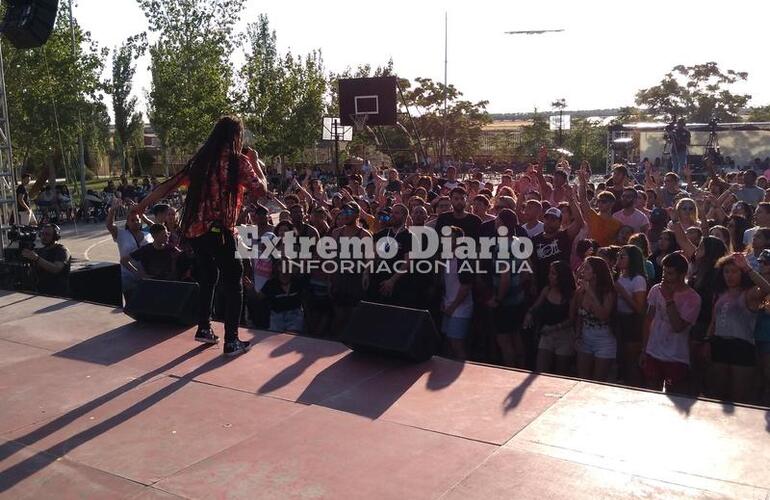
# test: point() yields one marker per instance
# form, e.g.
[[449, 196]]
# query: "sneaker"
[[236, 347], [206, 336]]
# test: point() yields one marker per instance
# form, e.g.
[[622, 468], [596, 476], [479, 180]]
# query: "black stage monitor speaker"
[[392, 331], [165, 302], [29, 24], [96, 282]]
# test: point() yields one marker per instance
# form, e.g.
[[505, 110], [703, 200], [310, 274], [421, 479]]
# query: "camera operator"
[[680, 142], [51, 263]]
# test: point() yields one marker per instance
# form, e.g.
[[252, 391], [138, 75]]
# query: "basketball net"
[[359, 121]]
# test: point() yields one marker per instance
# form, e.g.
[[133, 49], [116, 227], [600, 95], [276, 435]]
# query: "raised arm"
[[110, 222], [577, 214], [160, 192], [682, 240]]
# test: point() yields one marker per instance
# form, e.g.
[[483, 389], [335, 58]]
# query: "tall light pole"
[[446, 89], [81, 145], [560, 104]]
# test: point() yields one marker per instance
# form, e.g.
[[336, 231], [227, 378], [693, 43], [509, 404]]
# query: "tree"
[[534, 136], [127, 119], [587, 141], [464, 119], [47, 88], [631, 114], [190, 67], [696, 93], [759, 114], [280, 97]]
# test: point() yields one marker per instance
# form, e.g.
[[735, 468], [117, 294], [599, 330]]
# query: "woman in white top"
[[129, 238], [631, 287]]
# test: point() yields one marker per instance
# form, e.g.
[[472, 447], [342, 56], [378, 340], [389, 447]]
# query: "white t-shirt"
[[632, 286], [535, 230], [127, 244], [636, 220], [665, 344], [452, 286]]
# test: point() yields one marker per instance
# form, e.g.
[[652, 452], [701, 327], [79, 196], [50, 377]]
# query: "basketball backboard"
[[373, 97], [331, 126]]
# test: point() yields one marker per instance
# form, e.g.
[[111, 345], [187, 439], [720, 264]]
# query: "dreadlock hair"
[[227, 135]]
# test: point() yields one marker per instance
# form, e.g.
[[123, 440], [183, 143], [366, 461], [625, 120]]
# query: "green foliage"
[[190, 67], [587, 142], [631, 114], [127, 120], [280, 97], [462, 122], [48, 85], [696, 93], [534, 136], [760, 114]]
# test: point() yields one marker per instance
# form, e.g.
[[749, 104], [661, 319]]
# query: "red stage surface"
[[94, 405]]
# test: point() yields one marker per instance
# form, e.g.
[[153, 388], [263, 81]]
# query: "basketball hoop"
[[359, 120]]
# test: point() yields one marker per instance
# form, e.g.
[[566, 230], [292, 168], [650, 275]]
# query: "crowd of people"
[[650, 280]]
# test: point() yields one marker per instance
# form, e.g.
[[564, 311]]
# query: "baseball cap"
[[764, 255], [553, 211]]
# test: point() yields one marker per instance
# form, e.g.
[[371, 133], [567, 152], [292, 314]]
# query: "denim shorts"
[[598, 342], [455, 328]]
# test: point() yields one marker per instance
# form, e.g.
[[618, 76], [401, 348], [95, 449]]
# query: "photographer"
[[50, 264], [680, 142]]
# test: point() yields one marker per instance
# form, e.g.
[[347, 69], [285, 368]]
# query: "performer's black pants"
[[215, 254]]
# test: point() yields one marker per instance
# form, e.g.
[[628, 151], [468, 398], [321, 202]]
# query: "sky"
[[608, 51]]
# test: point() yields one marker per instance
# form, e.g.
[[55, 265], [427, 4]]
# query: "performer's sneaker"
[[236, 347], [206, 336]]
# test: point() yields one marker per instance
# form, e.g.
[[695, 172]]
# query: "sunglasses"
[[348, 212], [384, 217], [687, 208]]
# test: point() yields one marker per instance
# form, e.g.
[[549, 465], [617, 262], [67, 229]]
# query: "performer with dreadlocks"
[[217, 177]]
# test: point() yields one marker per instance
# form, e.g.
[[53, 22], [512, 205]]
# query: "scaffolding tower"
[[8, 209]]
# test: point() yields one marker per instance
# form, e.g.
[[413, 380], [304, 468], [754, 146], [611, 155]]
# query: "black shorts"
[[628, 327], [509, 318], [732, 351]]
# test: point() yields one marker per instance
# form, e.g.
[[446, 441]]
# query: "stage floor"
[[94, 405]]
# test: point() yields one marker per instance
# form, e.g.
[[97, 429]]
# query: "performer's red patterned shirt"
[[218, 205]]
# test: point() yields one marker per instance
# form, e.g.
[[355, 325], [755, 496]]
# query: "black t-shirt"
[[54, 284], [403, 238], [158, 263], [279, 299], [681, 138], [488, 229], [404, 241], [22, 195], [470, 224], [548, 250]]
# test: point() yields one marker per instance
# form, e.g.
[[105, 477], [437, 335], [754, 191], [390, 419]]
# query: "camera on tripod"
[[711, 150], [14, 269]]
